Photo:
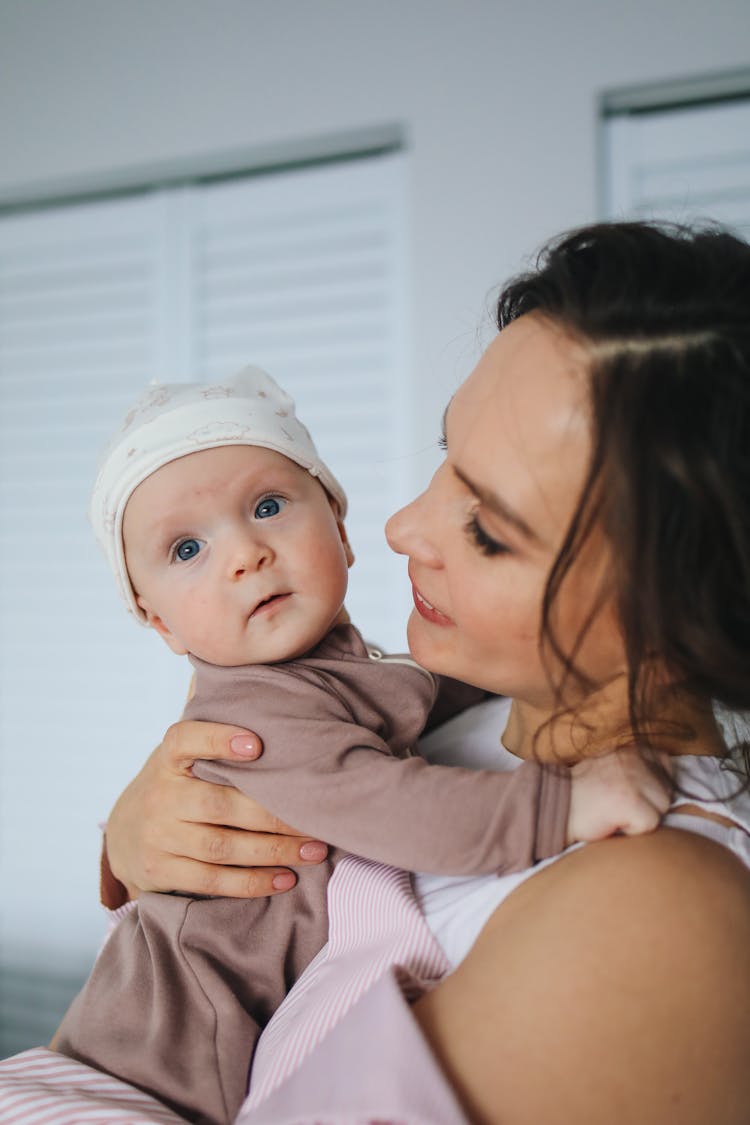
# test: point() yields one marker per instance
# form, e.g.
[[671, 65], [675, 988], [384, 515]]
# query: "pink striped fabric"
[[374, 924], [40, 1087]]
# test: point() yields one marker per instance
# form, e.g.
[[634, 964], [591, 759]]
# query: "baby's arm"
[[405, 812], [348, 789]]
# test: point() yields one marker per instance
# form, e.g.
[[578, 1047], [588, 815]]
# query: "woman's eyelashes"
[[486, 544], [479, 537]]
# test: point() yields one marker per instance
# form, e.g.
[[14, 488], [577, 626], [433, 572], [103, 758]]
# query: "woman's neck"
[[679, 725]]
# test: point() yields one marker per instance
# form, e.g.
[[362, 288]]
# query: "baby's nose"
[[248, 556]]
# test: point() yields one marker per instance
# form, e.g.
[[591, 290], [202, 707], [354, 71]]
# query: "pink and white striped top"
[[375, 923]]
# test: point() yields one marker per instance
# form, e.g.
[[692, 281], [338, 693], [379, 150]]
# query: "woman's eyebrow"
[[492, 501]]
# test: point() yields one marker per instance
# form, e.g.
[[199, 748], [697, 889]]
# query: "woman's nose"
[[411, 532]]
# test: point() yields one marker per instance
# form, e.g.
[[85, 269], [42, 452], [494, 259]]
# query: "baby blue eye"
[[271, 506], [187, 549]]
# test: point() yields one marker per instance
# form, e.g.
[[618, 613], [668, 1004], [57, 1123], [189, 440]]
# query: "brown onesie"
[[184, 985]]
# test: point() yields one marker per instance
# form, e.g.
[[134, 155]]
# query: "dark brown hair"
[[664, 314]]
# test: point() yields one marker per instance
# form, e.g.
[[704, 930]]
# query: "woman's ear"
[[155, 622]]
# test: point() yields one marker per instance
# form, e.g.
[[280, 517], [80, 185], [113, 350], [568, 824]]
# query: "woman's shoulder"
[[628, 958], [659, 903], [668, 903], [663, 872], [700, 854]]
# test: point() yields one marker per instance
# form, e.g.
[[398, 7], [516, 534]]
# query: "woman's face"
[[482, 539]]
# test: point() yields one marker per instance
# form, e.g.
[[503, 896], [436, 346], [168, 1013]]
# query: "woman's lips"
[[427, 610]]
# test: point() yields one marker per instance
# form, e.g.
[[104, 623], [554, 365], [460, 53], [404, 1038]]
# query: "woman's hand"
[[169, 831]]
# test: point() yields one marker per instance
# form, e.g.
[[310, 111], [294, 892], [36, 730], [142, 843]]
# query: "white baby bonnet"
[[173, 419]]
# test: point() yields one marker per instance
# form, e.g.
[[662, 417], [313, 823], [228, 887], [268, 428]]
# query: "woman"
[[585, 550]]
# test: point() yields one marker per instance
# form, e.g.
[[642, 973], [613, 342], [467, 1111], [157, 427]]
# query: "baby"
[[225, 532]]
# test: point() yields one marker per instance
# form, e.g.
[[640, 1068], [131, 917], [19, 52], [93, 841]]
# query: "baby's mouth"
[[268, 603]]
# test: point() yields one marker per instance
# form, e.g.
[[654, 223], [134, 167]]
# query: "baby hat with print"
[[173, 419]]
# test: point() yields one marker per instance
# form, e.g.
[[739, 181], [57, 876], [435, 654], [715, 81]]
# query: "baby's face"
[[236, 556]]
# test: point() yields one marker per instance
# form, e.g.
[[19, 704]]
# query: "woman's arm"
[[170, 831], [614, 986]]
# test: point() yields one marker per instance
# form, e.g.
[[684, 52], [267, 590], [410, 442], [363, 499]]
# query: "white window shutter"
[[685, 164], [80, 292], [301, 272]]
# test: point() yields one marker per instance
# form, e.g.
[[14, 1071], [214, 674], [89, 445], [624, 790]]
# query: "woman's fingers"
[[186, 741], [207, 803], [189, 876], [209, 859], [170, 830], [220, 846]]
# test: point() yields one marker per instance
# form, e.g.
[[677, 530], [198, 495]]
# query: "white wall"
[[497, 100]]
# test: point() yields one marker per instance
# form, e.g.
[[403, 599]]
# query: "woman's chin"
[[423, 647]]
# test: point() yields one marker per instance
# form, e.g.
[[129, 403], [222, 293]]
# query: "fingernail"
[[244, 747], [284, 881], [313, 850]]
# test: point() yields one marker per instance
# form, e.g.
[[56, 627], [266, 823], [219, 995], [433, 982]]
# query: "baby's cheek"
[[201, 623]]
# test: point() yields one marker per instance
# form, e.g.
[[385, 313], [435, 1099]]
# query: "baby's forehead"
[[211, 475], [229, 459]]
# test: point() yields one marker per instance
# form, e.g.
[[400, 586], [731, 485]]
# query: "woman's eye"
[[483, 541], [187, 549], [271, 506], [443, 442]]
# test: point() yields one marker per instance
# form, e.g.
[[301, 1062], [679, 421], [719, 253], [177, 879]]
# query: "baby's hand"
[[616, 792]]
